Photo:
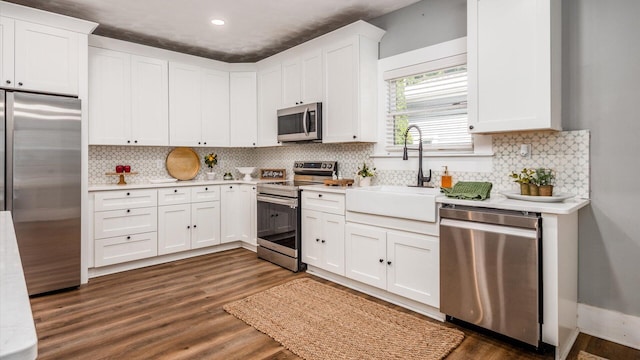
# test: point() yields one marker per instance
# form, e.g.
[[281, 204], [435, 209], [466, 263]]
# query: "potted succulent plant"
[[544, 179], [210, 160], [365, 173], [525, 179]]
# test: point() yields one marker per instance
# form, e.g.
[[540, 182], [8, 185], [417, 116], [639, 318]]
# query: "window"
[[432, 96]]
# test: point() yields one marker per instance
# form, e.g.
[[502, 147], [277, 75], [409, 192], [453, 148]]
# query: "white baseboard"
[[609, 325]]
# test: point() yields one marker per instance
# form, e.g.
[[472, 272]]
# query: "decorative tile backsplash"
[[566, 152]]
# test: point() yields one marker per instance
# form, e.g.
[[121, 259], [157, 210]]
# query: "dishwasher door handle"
[[499, 229]]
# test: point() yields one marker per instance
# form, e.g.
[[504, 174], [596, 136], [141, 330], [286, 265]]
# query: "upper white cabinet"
[[39, 58], [302, 78], [350, 91], [199, 106], [269, 101], [514, 65], [128, 99], [243, 111]]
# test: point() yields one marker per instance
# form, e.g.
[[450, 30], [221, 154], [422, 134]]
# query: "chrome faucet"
[[405, 156]]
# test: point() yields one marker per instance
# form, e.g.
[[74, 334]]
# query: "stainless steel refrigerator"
[[40, 179]]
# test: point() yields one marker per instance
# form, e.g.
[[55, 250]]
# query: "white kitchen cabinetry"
[[323, 225], [125, 226], [39, 58], [302, 79], [350, 91], [243, 109], [188, 218], [269, 101], [238, 216], [199, 106], [514, 65], [128, 97], [400, 262]]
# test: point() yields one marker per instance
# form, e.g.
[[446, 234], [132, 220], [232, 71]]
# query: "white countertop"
[[108, 187], [498, 201], [18, 339]]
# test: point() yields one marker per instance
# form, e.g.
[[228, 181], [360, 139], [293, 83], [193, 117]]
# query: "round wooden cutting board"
[[183, 163]]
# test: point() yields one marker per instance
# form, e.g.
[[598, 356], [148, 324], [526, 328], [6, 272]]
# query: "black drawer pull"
[[128, 237], [389, 262], [323, 241], [319, 195], [206, 189], [317, 240], [128, 210], [175, 190], [128, 194]]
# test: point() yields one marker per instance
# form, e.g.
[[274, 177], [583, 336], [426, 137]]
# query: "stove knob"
[[329, 166], [324, 166]]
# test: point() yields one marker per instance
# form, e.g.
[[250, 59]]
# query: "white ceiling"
[[254, 29]]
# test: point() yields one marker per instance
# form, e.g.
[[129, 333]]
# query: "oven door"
[[278, 224]]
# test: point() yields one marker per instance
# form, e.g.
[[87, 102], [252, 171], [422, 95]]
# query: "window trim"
[[410, 62]]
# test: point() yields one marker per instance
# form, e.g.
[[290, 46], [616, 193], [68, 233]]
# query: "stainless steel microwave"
[[300, 123]]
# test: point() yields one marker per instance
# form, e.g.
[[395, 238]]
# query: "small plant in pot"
[[210, 160], [545, 179], [525, 179], [365, 173]]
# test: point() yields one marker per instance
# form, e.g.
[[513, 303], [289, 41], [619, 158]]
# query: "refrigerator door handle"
[[9, 151]]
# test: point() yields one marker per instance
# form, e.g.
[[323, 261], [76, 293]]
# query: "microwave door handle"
[[304, 121]]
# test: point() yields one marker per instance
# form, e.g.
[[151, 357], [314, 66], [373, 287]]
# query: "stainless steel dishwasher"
[[490, 270]]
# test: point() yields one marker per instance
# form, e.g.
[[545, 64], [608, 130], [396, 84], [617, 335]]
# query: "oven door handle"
[[292, 203]]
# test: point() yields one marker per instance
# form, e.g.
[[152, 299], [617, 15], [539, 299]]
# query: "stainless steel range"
[[279, 213]]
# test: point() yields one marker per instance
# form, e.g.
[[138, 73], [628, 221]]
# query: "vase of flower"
[[365, 173], [210, 160]]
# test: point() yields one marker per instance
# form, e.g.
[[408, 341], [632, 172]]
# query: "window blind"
[[436, 102]]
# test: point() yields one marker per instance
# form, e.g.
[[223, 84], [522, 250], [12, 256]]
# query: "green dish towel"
[[469, 190]]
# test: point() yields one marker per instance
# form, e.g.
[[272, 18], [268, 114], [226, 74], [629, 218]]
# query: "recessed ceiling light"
[[218, 22]]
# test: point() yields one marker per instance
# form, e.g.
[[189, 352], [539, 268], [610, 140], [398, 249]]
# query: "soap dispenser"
[[445, 180]]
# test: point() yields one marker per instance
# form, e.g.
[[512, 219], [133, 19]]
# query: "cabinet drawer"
[[322, 201], [125, 248], [125, 222], [205, 193], [173, 196], [125, 199]]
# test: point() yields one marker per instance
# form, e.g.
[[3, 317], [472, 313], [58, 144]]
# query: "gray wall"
[[601, 92], [424, 23]]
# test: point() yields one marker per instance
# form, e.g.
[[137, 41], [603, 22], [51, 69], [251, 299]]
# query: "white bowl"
[[246, 171]]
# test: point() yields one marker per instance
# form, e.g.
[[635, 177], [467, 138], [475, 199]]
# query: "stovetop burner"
[[305, 173]]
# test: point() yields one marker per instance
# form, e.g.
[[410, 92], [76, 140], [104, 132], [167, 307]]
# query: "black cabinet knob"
[[323, 241], [19, 84], [319, 195], [470, 127], [230, 187], [175, 190], [206, 189], [135, 141], [381, 260], [128, 194], [354, 136], [188, 227], [205, 143], [128, 237], [128, 210], [128, 141], [254, 144], [317, 240], [8, 81], [198, 142], [388, 262], [194, 226]]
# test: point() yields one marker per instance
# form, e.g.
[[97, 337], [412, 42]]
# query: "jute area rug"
[[316, 321], [583, 355]]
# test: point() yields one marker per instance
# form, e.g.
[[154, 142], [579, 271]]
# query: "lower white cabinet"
[[125, 248], [400, 262], [188, 226], [174, 230], [323, 240], [124, 226], [238, 220]]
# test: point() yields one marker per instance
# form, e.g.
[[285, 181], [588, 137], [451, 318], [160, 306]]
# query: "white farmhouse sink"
[[405, 202]]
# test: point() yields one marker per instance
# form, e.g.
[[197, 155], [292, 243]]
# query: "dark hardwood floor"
[[174, 311]]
